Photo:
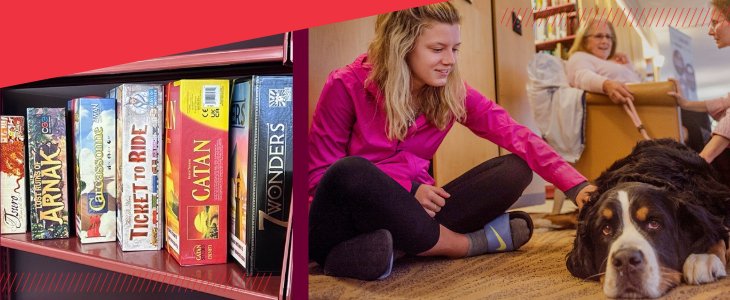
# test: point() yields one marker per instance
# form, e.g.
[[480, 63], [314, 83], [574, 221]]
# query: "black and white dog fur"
[[658, 216]]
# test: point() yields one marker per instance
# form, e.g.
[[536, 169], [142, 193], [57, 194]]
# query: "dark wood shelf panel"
[[551, 44], [225, 280], [196, 60], [554, 10]]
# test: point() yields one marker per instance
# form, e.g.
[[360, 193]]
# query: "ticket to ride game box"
[[140, 128]]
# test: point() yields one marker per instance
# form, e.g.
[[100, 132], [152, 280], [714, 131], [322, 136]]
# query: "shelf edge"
[[221, 58], [137, 271]]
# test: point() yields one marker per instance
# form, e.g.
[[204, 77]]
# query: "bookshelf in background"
[[555, 24], [269, 55]]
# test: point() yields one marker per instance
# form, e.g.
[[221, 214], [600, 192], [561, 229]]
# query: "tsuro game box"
[[12, 174]]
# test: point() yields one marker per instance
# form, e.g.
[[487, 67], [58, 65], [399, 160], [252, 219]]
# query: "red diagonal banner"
[[54, 38]]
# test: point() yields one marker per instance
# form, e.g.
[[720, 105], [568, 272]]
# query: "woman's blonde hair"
[[723, 7], [587, 30], [395, 36]]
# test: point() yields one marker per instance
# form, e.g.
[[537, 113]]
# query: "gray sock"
[[478, 239]]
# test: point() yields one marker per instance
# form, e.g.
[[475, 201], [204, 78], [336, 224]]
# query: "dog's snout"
[[628, 258]]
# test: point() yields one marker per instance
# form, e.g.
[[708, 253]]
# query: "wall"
[[462, 150], [513, 54], [333, 46]]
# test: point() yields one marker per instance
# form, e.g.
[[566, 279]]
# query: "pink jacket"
[[351, 121], [719, 109]]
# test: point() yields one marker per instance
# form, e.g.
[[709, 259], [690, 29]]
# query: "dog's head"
[[635, 238], [647, 216]]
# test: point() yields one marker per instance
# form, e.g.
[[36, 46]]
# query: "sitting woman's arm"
[[582, 74], [581, 68]]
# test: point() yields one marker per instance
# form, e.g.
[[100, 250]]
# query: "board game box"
[[12, 174], [47, 173], [94, 126], [196, 168], [140, 128]]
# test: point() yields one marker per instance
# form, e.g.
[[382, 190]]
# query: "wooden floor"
[[536, 271]]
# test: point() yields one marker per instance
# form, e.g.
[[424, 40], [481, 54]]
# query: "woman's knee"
[[346, 171], [349, 165], [519, 170]]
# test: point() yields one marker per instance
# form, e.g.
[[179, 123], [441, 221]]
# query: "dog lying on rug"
[[659, 216]]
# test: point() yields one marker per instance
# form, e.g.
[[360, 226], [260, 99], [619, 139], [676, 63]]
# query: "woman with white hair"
[[595, 66]]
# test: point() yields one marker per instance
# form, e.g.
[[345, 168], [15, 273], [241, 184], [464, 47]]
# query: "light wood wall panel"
[[513, 53], [462, 150], [333, 46]]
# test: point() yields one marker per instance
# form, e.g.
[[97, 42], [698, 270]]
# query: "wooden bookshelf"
[[567, 11], [225, 280], [554, 10], [551, 44]]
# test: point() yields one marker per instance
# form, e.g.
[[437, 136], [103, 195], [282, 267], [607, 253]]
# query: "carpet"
[[536, 271]]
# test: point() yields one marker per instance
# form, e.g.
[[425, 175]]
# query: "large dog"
[[659, 215]]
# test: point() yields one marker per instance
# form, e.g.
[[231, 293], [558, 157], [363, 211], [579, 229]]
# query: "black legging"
[[355, 197]]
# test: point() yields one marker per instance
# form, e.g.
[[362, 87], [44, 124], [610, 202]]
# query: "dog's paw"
[[703, 268]]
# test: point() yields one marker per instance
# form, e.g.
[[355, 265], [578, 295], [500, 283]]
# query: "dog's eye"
[[653, 225], [607, 230]]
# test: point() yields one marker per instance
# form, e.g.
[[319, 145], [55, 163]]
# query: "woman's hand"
[[584, 195], [620, 58], [698, 106], [432, 198], [681, 100], [617, 91]]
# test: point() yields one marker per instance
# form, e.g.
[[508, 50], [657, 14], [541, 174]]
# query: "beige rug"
[[536, 271]]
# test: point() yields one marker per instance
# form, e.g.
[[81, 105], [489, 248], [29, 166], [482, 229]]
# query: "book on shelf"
[[238, 170], [94, 144], [47, 174], [140, 116], [269, 172], [196, 149], [12, 174]]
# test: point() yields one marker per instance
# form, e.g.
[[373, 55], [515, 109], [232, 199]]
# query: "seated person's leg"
[[483, 194]]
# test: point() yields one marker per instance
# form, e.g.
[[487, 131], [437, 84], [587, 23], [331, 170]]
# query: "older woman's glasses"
[[601, 36]]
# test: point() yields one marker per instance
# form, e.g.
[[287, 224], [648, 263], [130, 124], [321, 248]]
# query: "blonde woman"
[[595, 66], [377, 125], [720, 107]]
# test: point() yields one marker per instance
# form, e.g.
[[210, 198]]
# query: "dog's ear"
[[698, 226], [580, 259]]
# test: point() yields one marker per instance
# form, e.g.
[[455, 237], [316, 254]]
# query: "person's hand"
[[432, 198], [617, 92], [681, 100], [620, 58], [584, 195]]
